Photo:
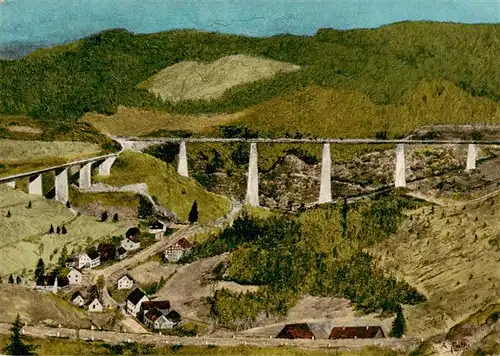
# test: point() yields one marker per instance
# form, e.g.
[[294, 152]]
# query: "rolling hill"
[[451, 254], [104, 70]]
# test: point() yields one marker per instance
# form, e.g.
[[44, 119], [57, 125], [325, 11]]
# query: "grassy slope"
[[34, 307], [164, 183], [319, 111], [103, 70], [451, 255], [24, 234], [123, 203], [136, 122]]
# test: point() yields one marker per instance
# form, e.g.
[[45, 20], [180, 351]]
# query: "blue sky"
[[57, 21]]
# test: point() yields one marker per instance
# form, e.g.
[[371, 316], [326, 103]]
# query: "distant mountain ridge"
[[100, 72]]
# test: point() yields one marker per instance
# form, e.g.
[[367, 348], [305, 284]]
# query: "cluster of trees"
[[11, 279], [59, 230], [318, 253], [105, 216]]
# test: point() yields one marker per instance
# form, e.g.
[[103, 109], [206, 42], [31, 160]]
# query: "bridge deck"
[[346, 141], [49, 169]]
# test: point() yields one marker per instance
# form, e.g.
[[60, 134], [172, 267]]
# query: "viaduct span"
[[252, 196]]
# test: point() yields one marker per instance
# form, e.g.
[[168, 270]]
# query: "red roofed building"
[[357, 332], [296, 331], [175, 251]]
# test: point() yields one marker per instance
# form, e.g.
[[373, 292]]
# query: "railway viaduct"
[[252, 196]]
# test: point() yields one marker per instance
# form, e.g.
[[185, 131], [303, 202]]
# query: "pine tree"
[[16, 345], [18, 280], [399, 324], [63, 230], [11, 279], [39, 272], [115, 217], [58, 230], [8, 214], [51, 230], [104, 216], [344, 212], [29, 205], [145, 208], [193, 214], [68, 204]]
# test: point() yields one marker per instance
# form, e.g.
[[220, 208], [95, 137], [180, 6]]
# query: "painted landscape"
[[198, 192]]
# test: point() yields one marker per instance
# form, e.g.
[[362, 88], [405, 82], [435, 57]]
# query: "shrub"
[[104, 216]]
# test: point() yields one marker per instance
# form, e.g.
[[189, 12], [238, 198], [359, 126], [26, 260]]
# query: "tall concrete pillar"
[[182, 167], [62, 193], [253, 177], [325, 189], [11, 184], [400, 174], [85, 176], [105, 167], [471, 157], [35, 185]]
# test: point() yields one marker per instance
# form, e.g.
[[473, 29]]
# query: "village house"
[[71, 262], [357, 332], [296, 331], [77, 299], [121, 253], [158, 229], [134, 301], [155, 319], [89, 259], [75, 276], [176, 251], [125, 282], [161, 305], [131, 243], [95, 305]]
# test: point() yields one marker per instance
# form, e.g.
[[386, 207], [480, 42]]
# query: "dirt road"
[[116, 337]]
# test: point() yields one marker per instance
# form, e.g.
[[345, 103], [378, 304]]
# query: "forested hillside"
[[316, 252], [101, 71]]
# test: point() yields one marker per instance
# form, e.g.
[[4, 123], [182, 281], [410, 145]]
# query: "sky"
[[47, 22]]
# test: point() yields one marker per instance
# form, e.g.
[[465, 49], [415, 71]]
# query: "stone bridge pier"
[[35, 185], [182, 167], [85, 176], [61, 182], [105, 167], [252, 196], [61, 185]]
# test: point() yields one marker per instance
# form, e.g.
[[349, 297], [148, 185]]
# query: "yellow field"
[[190, 80], [25, 235], [136, 122], [451, 255]]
